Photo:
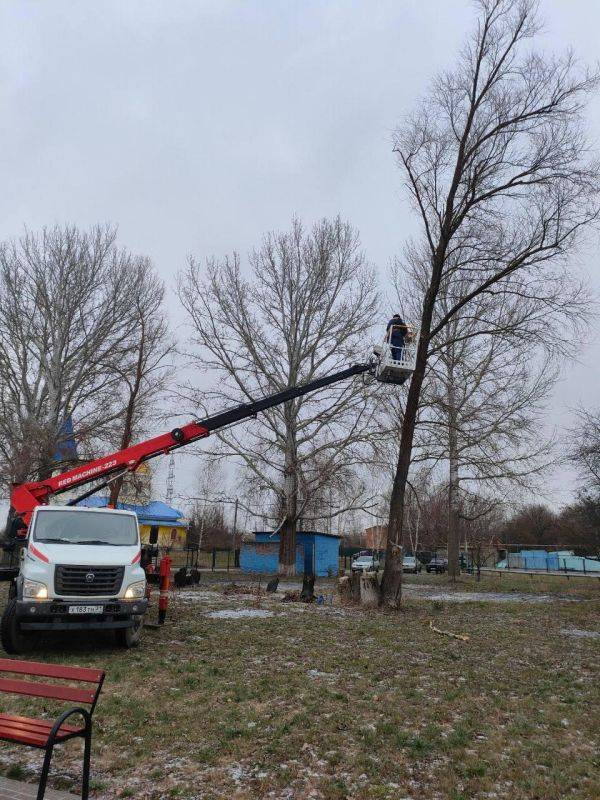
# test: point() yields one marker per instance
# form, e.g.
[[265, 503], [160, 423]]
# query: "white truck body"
[[79, 570]]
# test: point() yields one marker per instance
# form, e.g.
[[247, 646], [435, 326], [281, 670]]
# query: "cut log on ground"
[[462, 636]]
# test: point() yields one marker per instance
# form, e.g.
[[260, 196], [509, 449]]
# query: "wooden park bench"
[[44, 734]]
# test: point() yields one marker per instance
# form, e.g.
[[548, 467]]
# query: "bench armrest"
[[87, 718]]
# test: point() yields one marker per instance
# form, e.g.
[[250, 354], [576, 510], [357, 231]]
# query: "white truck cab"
[[79, 570]]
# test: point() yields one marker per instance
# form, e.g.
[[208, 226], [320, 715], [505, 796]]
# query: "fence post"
[[214, 558], [228, 552]]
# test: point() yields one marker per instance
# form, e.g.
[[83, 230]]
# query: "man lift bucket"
[[397, 355]]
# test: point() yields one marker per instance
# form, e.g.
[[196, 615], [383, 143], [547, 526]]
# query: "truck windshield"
[[85, 527]]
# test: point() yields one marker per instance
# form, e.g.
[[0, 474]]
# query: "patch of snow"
[[581, 634], [314, 673], [334, 611], [489, 597], [196, 595], [239, 613], [237, 773]]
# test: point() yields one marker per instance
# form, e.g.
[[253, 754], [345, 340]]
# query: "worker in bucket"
[[395, 334]]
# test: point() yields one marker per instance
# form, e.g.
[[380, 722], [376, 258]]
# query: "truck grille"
[[76, 581]]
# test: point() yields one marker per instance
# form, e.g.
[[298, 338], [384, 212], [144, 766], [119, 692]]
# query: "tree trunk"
[[134, 390], [287, 544], [391, 585], [453, 489], [453, 525], [46, 466], [287, 549], [117, 484]]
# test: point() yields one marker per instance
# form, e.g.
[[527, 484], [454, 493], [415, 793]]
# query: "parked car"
[[365, 563], [438, 564], [411, 564]]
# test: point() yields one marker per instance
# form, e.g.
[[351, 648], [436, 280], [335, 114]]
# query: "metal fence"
[[214, 558]]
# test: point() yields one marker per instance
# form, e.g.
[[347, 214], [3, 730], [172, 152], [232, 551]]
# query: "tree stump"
[[369, 590], [345, 589], [355, 587], [308, 589]]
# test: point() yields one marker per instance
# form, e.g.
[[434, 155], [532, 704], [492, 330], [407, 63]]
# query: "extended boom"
[[26, 496]]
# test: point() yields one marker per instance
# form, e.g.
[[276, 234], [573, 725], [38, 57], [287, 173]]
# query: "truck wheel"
[[130, 637], [13, 639]]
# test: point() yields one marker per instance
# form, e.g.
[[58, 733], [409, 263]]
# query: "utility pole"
[[235, 513], [202, 527]]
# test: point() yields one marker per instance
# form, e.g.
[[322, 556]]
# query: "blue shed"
[[316, 553]]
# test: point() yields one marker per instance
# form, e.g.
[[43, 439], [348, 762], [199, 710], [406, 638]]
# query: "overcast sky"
[[198, 125]]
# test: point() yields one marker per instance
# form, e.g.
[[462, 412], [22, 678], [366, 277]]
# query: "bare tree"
[[65, 326], [491, 370], [304, 311], [533, 523], [481, 407], [585, 449], [483, 517], [496, 165], [579, 524], [146, 370]]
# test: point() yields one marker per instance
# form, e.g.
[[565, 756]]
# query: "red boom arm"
[[26, 496]]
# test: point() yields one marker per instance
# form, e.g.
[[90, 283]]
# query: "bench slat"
[[32, 739], [53, 691], [31, 735], [34, 725], [51, 670]]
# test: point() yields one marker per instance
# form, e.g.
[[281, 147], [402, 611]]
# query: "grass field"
[[331, 703]]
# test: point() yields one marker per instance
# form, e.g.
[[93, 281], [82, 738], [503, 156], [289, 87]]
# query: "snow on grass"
[[579, 634], [452, 596], [196, 596], [239, 613]]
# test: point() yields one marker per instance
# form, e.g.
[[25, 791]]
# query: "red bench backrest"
[[55, 691]]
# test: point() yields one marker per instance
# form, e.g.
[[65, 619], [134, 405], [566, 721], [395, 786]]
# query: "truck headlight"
[[34, 590], [135, 590]]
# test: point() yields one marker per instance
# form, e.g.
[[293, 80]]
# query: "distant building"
[[316, 553], [159, 523], [375, 537]]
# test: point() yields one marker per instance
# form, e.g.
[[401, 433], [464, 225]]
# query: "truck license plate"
[[85, 609]]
